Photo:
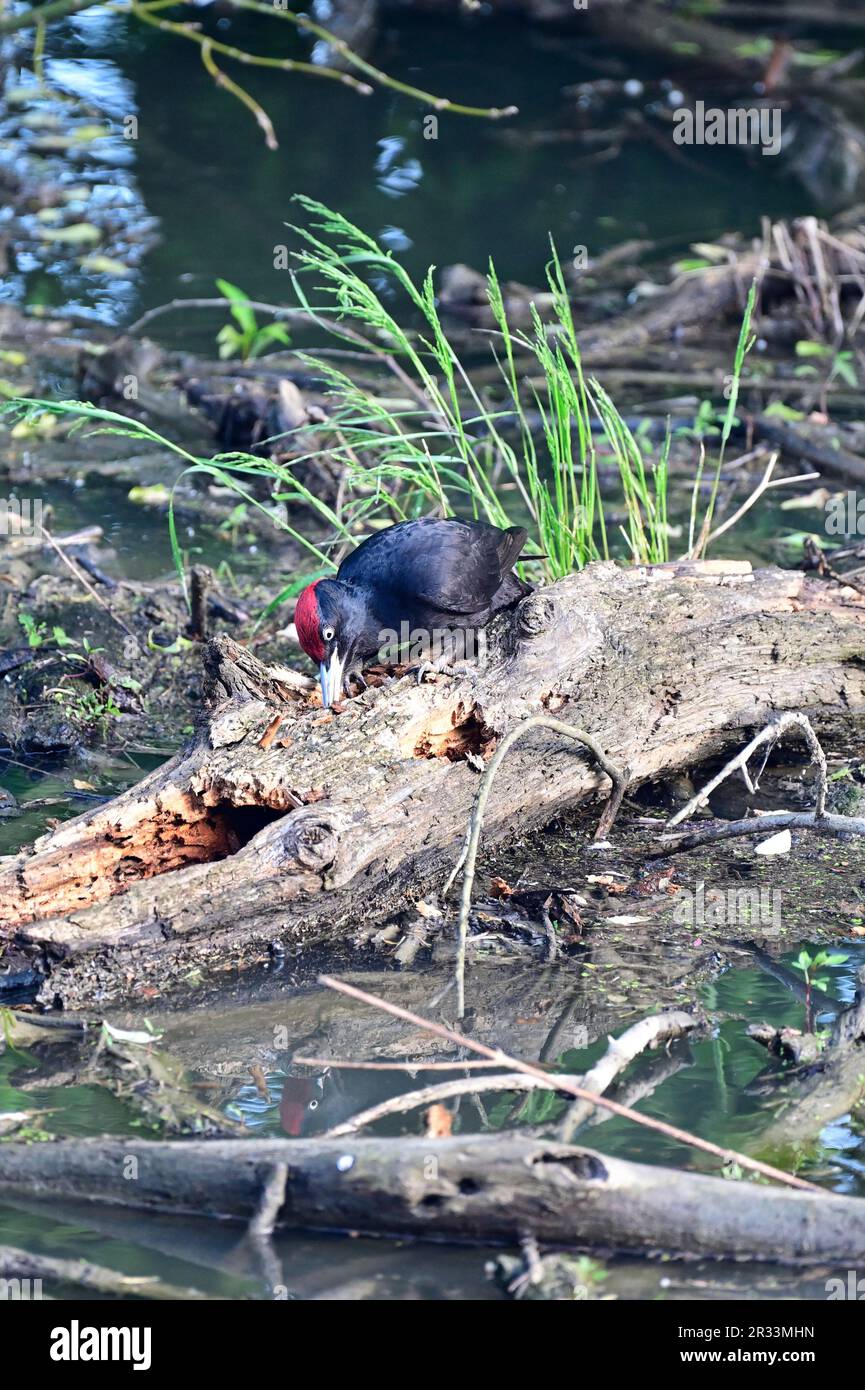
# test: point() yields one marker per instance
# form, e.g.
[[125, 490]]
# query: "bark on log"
[[233, 844], [482, 1188]]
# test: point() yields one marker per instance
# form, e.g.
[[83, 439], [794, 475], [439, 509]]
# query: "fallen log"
[[826, 1082], [482, 1188], [237, 842]]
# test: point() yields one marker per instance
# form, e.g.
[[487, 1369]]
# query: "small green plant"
[[841, 364], [697, 546], [588, 1275], [809, 965], [244, 338], [85, 706], [37, 633], [706, 423], [34, 632]]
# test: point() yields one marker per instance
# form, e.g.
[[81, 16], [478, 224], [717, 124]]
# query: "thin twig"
[[649, 1032], [223, 80], [303, 22], [765, 484], [570, 1088], [264, 1218], [468, 857], [187, 30], [279, 311], [82, 1274], [815, 555], [818, 820], [340, 1064], [443, 1090], [84, 581], [769, 735], [828, 824]]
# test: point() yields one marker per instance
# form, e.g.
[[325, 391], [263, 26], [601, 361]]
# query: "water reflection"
[[396, 179], [78, 225]]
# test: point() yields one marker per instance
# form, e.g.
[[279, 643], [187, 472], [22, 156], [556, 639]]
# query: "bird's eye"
[[327, 634]]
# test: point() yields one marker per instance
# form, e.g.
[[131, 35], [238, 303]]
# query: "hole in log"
[[452, 734], [206, 833], [585, 1166], [157, 837], [468, 1187], [433, 1199]]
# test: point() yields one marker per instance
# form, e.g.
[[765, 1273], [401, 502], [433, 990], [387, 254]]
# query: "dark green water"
[[222, 199]]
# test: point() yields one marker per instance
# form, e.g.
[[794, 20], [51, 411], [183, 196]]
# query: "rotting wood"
[[230, 846]]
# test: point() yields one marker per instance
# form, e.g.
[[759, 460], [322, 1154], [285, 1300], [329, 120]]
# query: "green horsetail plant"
[[227, 470], [476, 442]]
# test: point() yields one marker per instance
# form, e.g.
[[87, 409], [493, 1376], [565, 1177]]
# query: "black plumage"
[[428, 574], [438, 572]]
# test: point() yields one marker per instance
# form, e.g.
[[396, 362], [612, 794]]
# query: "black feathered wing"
[[449, 566]]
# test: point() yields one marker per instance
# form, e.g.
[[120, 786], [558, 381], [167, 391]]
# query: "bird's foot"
[[442, 667], [356, 676]]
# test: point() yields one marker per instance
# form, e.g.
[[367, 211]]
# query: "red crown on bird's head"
[[307, 620]]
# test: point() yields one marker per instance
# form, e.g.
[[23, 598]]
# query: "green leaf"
[[240, 308], [778, 411], [806, 347], [271, 333], [230, 341], [694, 263]]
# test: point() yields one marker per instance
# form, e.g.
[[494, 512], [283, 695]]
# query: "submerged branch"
[[655, 1031]]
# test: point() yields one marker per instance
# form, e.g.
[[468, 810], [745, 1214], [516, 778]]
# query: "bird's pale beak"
[[330, 675]]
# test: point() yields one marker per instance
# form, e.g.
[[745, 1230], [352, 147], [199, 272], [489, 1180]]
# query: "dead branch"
[[353, 817], [651, 1032], [487, 1188], [81, 1274], [768, 736]]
